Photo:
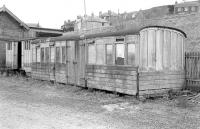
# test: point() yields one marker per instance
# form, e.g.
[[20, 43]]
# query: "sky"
[[53, 13]]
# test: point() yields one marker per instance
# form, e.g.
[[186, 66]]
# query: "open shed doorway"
[[19, 57]]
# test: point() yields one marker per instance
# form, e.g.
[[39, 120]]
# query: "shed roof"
[[4, 9]]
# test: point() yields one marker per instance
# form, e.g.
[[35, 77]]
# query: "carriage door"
[[72, 63], [52, 63]]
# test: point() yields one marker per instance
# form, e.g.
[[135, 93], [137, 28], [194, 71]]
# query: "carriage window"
[[38, 54], [58, 54], [42, 55], [100, 54], [91, 54], [186, 9], [46, 54], [179, 9], [194, 9], [119, 56], [131, 54], [63, 54], [109, 54]]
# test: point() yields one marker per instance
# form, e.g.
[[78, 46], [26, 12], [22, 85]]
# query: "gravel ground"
[[30, 104]]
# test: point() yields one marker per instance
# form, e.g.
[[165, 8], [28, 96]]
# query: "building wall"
[[10, 28], [2, 53]]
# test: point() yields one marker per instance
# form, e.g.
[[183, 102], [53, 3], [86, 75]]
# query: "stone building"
[[187, 7]]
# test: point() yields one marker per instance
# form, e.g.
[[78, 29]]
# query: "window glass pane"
[[109, 54], [42, 55], [91, 54], [63, 54], [46, 54], [186, 9], [100, 54], [131, 54], [119, 54], [58, 54]]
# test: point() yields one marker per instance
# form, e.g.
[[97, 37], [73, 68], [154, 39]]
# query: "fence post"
[[185, 70]]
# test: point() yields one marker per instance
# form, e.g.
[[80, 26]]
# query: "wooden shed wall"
[[2, 53], [12, 55]]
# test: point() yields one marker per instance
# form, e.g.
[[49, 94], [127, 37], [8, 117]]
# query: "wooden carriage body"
[[133, 61]]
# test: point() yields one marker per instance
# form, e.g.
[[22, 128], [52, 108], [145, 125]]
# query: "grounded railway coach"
[[131, 62]]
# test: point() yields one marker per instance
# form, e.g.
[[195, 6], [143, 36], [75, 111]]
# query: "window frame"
[[45, 54], [131, 43], [63, 61], [42, 52], [58, 60], [106, 63], [88, 59], [124, 51]]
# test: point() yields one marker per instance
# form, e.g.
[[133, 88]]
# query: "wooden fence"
[[192, 69]]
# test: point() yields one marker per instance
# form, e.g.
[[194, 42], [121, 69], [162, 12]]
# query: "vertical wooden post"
[[86, 60], [137, 94]]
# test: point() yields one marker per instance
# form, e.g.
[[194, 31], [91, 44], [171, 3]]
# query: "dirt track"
[[31, 104]]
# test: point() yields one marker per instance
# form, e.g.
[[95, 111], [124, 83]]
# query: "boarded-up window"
[[63, 54], [119, 58], [58, 54], [42, 55], [46, 54], [131, 54], [100, 54], [91, 54], [109, 54]]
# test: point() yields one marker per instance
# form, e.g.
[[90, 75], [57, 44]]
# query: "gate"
[[192, 67]]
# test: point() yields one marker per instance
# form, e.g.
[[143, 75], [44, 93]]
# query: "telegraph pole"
[[85, 7]]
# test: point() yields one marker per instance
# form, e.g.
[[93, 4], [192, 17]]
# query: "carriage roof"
[[79, 36]]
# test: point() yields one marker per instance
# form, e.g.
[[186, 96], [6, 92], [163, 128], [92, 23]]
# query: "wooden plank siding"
[[160, 80], [120, 79]]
